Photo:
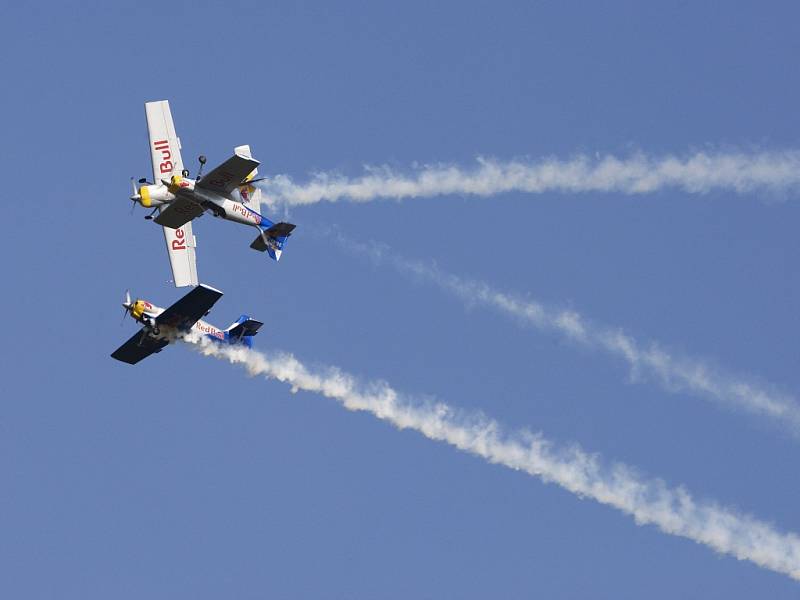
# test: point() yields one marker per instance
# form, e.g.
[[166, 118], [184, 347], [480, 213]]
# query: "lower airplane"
[[163, 326]]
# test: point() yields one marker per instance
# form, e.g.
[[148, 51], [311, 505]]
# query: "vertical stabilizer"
[[250, 194]]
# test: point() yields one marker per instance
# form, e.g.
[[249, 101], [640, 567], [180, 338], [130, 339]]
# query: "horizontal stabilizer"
[[245, 328], [276, 235], [259, 244], [280, 230]]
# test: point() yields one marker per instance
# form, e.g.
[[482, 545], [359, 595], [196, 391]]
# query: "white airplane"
[[227, 192], [162, 326]]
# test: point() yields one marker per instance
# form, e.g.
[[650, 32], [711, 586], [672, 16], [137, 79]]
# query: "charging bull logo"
[[245, 192]]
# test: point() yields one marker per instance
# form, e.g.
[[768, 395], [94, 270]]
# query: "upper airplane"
[[179, 199], [162, 326]]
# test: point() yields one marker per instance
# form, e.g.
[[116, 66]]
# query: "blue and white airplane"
[[226, 192], [163, 326]]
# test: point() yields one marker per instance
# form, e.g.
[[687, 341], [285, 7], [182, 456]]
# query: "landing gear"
[[150, 216], [152, 327]]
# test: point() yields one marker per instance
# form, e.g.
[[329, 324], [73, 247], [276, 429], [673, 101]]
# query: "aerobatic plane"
[[163, 326], [226, 192]]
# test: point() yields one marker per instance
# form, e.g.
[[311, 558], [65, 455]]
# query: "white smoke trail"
[[638, 174], [674, 372], [673, 510]]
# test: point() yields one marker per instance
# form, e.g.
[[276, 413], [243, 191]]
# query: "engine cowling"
[[137, 310], [155, 195]]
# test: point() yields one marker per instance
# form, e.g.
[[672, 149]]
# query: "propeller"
[[126, 306], [135, 196]]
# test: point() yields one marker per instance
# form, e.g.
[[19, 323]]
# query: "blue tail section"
[[242, 331], [273, 237]]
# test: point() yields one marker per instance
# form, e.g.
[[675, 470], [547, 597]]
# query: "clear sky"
[[181, 477]]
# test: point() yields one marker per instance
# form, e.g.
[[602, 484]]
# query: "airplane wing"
[[189, 309], [181, 245], [165, 147], [139, 347], [227, 177], [179, 212], [165, 155]]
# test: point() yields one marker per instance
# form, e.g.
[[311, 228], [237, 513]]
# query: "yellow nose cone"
[[138, 309], [144, 192]]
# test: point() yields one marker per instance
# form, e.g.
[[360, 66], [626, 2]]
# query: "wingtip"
[[210, 288]]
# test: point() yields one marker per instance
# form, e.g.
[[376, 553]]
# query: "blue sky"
[[183, 478]]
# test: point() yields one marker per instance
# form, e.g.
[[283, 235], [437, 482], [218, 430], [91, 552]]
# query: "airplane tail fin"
[[250, 194], [273, 235], [273, 238], [242, 330]]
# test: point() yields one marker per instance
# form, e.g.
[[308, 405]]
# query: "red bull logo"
[[179, 243], [166, 165], [246, 213], [245, 191], [209, 330]]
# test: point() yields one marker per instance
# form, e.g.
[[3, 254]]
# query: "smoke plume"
[[672, 510], [639, 174], [646, 360]]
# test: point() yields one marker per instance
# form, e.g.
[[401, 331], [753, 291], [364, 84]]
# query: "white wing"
[[165, 154], [165, 147], [181, 249]]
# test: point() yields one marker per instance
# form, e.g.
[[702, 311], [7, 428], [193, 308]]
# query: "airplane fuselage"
[[146, 313], [151, 196]]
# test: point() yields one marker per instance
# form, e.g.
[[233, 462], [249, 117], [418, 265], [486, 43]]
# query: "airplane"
[[179, 199], [163, 326]]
